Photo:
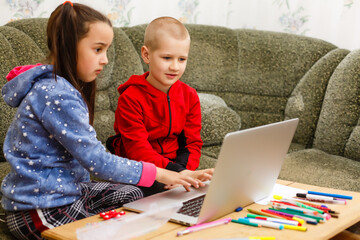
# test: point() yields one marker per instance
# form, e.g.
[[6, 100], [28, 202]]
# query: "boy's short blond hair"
[[164, 26]]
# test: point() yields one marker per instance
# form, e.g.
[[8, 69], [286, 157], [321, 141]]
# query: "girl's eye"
[[166, 58], [98, 50], [182, 59]]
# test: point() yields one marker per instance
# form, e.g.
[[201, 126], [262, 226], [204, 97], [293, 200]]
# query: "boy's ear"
[[145, 54]]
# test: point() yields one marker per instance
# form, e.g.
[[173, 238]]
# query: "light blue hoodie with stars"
[[51, 146]]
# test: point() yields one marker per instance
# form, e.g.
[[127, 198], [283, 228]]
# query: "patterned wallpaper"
[[331, 20]]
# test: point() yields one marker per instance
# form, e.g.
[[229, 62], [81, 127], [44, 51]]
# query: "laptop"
[[247, 168]]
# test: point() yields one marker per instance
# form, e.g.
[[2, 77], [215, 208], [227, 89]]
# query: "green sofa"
[[244, 78]]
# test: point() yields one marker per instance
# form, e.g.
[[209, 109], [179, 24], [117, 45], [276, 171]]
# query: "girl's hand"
[[199, 175], [173, 179]]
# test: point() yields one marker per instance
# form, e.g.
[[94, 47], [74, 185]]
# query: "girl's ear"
[[145, 54]]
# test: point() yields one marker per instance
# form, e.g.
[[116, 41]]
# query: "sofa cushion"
[[340, 110], [217, 119], [270, 66], [35, 28], [136, 36], [126, 63], [213, 58], [206, 162], [315, 167], [123, 62], [307, 98]]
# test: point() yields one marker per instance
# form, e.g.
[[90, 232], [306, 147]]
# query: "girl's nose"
[[104, 60]]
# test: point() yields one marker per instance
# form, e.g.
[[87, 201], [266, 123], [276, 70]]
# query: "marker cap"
[[301, 195]]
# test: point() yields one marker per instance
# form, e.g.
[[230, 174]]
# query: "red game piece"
[[111, 214]]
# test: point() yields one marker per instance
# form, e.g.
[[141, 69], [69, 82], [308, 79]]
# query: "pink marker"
[[204, 226]]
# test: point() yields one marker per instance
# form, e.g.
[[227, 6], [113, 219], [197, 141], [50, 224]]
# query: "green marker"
[[245, 221]]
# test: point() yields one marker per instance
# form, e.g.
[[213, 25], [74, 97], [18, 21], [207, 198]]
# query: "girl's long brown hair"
[[67, 25]]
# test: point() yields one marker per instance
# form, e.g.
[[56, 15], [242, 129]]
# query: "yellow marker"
[[300, 220], [304, 229], [277, 197], [263, 238]]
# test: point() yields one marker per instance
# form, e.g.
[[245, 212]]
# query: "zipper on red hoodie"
[[162, 150], [168, 99]]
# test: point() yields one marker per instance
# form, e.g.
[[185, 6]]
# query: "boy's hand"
[[173, 179], [199, 175]]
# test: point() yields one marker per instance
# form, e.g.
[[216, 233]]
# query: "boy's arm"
[[129, 122], [190, 142]]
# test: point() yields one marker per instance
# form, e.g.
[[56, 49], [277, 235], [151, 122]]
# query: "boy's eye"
[[182, 59], [98, 50], [166, 58]]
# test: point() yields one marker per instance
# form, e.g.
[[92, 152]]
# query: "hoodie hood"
[[136, 80], [21, 80], [141, 82]]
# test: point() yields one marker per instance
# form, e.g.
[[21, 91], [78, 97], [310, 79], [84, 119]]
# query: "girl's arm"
[[66, 118]]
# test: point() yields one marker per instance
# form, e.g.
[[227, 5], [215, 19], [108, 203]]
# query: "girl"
[[51, 144]]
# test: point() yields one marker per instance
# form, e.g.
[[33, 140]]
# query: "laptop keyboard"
[[192, 207]]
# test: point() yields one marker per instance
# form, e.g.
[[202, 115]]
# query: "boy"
[[158, 118]]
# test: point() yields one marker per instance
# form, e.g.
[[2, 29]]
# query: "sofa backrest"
[[267, 77], [264, 76]]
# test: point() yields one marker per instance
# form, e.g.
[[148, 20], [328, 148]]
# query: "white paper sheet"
[[281, 190]]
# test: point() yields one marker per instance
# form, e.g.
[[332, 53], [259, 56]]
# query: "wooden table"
[[349, 215]]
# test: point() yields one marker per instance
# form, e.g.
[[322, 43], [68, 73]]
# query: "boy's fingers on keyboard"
[[186, 185], [192, 181], [201, 184], [204, 177], [187, 188], [207, 176], [209, 171]]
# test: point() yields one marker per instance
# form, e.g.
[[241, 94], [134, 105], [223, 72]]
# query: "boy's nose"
[[174, 65]]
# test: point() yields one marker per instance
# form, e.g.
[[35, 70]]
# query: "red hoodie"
[[156, 127]]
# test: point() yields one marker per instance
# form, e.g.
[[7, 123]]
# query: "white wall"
[[335, 21]]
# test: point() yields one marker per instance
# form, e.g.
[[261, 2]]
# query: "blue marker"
[[330, 195]]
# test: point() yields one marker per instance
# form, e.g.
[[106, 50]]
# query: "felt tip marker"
[[330, 195], [245, 222], [317, 198], [263, 213], [274, 225], [298, 228], [265, 223], [204, 226], [276, 220]]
